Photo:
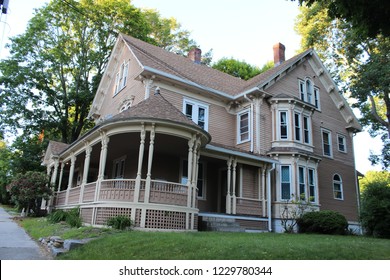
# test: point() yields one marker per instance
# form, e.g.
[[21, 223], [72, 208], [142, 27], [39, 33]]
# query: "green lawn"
[[138, 245]]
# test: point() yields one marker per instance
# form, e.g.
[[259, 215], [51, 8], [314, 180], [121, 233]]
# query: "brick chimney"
[[279, 54], [195, 55]]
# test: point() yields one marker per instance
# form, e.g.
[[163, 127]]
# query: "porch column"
[[263, 191], [61, 174], [150, 161], [71, 173], [269, 202], [102, 162], [195, 171], [139, 170], [88, 151], [190, 157], [53, 180], [234, 205], [228, 196]]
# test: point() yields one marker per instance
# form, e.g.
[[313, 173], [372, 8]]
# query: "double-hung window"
[[338, 187], [285, 182], [306, 129], [119, 168], [201, 178], [312, 185], [283, 125], [327, 143], [243, 124], [121, 77], [302, 183], [197, 112], [297, 124], [309, 93], [341, 142]]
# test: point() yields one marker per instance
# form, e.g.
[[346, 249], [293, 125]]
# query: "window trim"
[[280, 125], [121, 77], [201, 164], [195, 113], [304, 94], [340, 183], [323, 130], [344, 143], [289, 182], [239, 133]]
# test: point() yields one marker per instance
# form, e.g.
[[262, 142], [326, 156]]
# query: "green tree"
[[374, 177], [5, 175], [359, 64], [371, 17], [375, 208], [28, 189], [55, 67], [239, 69]]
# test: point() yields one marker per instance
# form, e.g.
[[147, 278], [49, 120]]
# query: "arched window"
[[309, 93], [337, 187]]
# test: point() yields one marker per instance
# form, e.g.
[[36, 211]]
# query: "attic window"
[[309, 93], [121, 77]]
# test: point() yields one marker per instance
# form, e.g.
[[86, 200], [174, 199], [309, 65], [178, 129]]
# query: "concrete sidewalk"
[[15, 243]]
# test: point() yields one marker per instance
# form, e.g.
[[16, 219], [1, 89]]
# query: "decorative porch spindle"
[[150, 161], [71, 174], [139, 170], [195, 170], [191, 143]]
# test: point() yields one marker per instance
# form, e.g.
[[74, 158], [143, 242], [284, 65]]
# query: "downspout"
[[251, 116], [269, 206]]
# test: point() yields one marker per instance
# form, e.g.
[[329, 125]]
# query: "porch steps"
[[220, 224]]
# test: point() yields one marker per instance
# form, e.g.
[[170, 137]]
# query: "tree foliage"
[[28, 189], [371, 17], [55, 66], [375, 208], [5, 158], [360, 64], [374, 177], [240, 69]]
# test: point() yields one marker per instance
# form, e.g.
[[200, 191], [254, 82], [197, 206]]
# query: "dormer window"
[[121, 77], [309, 93]]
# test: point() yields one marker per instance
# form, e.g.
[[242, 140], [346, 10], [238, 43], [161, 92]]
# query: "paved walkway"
[[15, 243]]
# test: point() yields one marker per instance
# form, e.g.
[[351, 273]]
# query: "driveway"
[[15, 243]]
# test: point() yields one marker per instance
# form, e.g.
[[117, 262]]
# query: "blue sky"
[[242, 29]]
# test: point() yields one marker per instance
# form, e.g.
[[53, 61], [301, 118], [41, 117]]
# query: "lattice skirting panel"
[[105, 213], [160, 219], [86, 215]]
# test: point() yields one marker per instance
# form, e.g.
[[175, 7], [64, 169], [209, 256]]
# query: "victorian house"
[[178, 145]]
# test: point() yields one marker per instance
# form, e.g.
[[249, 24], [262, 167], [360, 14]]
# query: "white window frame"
[[240, 134], [184, 179], [196, 105], [312, 97], [344, 143], [282, 182], [340, 184], [122, 165], [308, 129], [298, 126], [280, 125], [330, 143], [302, 183], [312, 197], [121, 77]]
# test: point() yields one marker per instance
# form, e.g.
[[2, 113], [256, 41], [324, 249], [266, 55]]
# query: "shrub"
[[375, 209], [71, 217], [57, 216], [325, 222], [119, 222]]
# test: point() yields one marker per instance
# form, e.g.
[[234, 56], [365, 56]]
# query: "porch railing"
[[249, 206], [168, 193], [161, 192]]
